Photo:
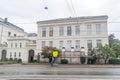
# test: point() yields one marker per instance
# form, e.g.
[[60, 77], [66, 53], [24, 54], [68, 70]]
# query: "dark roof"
[[10, 24], [32, 34], [75, 18]]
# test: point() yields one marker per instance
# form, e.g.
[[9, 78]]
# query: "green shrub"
[[92, 60], [34, 61], [64, 61], [114, 61], [82, 59], [11, 59], [15, 59], [19, 60]]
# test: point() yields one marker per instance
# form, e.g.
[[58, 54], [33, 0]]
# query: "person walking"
[[54, 56]]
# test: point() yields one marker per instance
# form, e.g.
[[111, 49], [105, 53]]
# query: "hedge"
[[64, 61], [82, 59], [114, 61]]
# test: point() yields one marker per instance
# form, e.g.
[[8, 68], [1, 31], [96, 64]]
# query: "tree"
[[114, 44], [106, 53], [116, 47], [47, 52], [94, 55], [112, 39]]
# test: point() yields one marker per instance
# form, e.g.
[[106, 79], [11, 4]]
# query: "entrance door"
[[3, 56], [31, 56]]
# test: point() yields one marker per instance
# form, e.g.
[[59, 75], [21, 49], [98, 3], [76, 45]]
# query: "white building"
[[71, 35], [14, 42], [21, 47], [8, 29], [76, 32]]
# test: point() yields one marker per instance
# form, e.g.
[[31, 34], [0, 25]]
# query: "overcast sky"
[[25, 13]]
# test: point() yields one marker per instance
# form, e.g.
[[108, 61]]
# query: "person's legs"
[[52, 62]]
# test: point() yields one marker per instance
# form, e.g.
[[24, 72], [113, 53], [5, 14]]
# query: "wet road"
[[46, 72]]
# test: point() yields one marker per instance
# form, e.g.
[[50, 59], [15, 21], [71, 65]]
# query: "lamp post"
[[40, 55], [72, 52], [85, 54], [63, 51]]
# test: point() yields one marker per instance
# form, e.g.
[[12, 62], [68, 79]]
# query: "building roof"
[[32, 35], [74, 18], [10, 24]]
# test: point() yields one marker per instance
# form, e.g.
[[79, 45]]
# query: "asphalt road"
[[46, 72]]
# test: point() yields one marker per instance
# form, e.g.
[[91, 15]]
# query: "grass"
[[5, 62]]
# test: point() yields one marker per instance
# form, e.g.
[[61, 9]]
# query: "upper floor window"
[[77, 30], [61, 31], [19, 54], [51, 43], [99, 43], [20, 45], [14, 35], [89, 29], [69, 44], [89, 43], [98, 28], [43, 43], [11, 45], [69, 31], [15, 55], [51, 31], [77, 44], [43, 32], [15, 45], [61, 44], [9, 34]]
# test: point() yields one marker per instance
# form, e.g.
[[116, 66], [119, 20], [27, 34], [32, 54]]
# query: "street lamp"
[[85, 54], [63, 51], [38, 58], [72, 51]]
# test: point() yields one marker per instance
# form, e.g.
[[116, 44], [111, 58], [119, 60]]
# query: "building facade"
[[72, 36], [15, 43], [73, 33], [8, 29]]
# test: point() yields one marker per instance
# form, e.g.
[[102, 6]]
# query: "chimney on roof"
[[6, 20]]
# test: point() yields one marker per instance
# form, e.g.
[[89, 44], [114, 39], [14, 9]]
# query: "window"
[[61, 31], [69, 31], [15, 55], [43, 32], [51, 31], [51, 43], [98, 29], [10, 54], [89, 43], [14, 35], [11, 45], [20, 45], [89, 29], [69, 44], [9, 34], [15, 45], [77, 44], [19, 54], [77, 30], [61, 44], [99, 43], [43, 43]]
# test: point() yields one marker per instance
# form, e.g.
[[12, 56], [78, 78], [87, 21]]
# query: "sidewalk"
[[86, 66]]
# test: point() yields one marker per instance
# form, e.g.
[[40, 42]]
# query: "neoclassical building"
[[73, 34], [15, 43]]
